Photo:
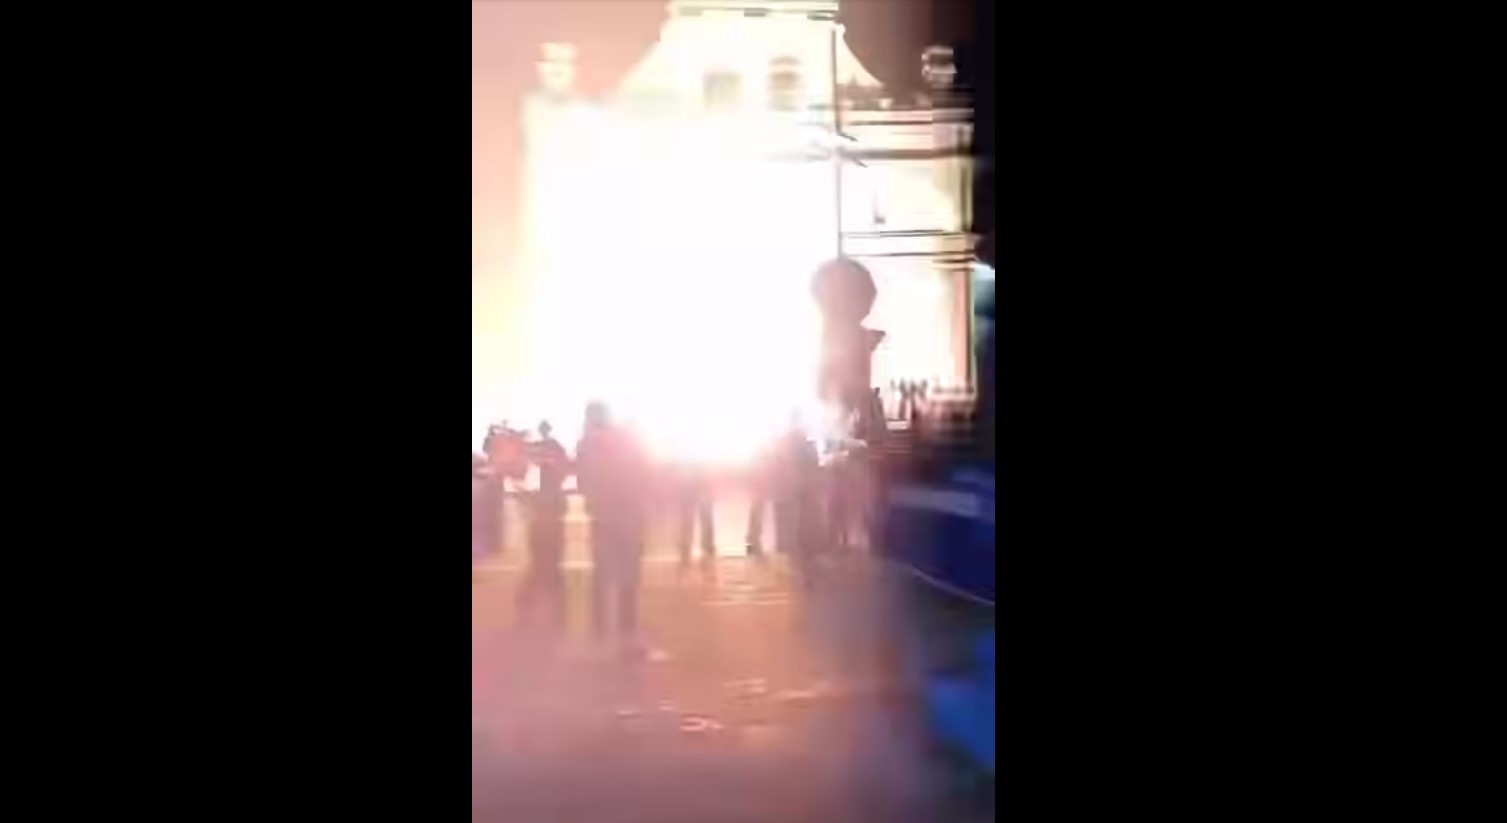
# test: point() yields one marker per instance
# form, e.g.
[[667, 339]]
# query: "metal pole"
[[836, 145], [965, 199]]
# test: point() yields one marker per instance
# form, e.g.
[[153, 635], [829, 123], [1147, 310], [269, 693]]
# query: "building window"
[[785, 84], [721, 89]]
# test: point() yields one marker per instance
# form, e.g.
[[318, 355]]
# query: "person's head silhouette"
[[596, 415]]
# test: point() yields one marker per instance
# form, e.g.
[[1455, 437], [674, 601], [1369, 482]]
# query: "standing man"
[[694, 506], [484, 527], [543, 591], [612, 474], [507, 459], [494, 490], [794, 488], [762, 490]]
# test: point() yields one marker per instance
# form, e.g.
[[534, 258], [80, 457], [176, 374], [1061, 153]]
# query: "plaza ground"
[[754, 698]]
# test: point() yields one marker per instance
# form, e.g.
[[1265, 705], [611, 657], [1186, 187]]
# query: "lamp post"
[[837, 135], [844, 292]]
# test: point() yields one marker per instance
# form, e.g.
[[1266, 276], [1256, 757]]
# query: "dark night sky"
[[973, 24]]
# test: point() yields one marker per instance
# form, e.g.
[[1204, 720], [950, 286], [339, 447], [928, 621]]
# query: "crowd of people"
[[816, 500]]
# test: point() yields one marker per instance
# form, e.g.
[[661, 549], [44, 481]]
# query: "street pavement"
[[751, 698], [730, 517]]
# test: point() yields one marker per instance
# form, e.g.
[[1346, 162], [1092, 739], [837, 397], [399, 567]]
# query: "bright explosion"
[[673, 284]]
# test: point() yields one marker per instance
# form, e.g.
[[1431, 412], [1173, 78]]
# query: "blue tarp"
[[944, 529], [942, 532]]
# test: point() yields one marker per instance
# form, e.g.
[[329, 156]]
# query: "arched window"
[[785, 83], [721, 89]]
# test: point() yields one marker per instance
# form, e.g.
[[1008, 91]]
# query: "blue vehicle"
[[939, 537]]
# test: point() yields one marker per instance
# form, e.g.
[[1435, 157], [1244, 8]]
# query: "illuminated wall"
[[672, 228]]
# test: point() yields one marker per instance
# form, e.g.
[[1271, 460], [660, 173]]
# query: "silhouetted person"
[[495, 489], [611, 473], [484, 527], [505, 459], [875, 423], [785, 472], [493, 441], [761, 496], [543, 591], [845, 488], [795, 483], [839, 505], [693, 507], [871, 461]]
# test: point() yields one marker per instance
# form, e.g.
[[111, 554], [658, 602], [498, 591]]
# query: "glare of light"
[[686, 309], [673, 286]]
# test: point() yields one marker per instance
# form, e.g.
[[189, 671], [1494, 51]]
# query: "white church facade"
[[745, 148]]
